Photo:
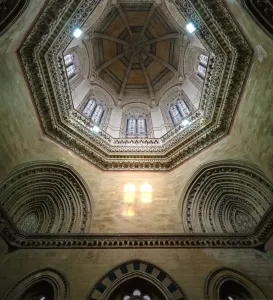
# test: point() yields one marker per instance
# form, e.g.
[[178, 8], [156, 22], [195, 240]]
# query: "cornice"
[[18, 239]]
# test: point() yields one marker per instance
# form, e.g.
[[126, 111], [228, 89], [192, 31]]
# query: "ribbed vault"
[[46, 197], [226, 197]]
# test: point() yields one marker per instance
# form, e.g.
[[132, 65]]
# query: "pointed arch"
[[226, 196], [130, 272], [231, 284], [48, 283], [47, 197]]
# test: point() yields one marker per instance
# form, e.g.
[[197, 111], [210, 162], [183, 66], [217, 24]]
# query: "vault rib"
[[146, 75], [147, 20], [161, 61], [110, 38], [163, 38], [124, 18], [111, 61], [122, 89]]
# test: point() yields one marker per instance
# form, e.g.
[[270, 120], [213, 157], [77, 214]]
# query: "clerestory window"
[[94, 111]]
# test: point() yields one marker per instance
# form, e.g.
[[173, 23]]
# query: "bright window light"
[[77, 32], [185, 122], [96, 129], [191, 28]]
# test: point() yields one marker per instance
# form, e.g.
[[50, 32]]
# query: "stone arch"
[[261, 12], [52, 193], [226, 197], [221, 276], [136, 269], [41, 281], [13, 10]]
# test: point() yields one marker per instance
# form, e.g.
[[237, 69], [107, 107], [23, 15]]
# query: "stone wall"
[[188, 267]]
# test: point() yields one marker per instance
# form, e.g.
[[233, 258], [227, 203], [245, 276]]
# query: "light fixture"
[[96, 129], [190, 27], [77, 33], [185, 122]]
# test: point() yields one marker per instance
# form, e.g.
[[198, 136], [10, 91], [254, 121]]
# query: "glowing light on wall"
[[128, 211], [129, 193], [146, 193]]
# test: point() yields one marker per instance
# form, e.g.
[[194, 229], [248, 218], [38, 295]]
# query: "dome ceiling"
[[136, 52], [124, 39]]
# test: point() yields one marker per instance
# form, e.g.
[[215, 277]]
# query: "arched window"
[[89, 107], [71, 71], [68, 59], [141, 126], [174, 112], [94, 110], [183, 108], [137, 294], [203, 59], [131, 126], [69, 64], [201, 71], [96, 116]]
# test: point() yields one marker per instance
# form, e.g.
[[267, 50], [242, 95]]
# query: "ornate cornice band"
[[41, 56]]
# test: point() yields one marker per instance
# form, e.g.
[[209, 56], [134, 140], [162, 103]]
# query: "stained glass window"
[[141, 126], [131, 126], [96, 117], [202, 71], [89, 107], [203, 59], [68, 59], [176, 117], [137, 294], [71, 71], [183, 108]]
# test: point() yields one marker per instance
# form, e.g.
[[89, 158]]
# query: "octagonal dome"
[[136, 91], [143, 48]]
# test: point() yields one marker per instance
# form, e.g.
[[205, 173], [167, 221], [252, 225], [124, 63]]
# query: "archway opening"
[[232, 290], [41, 290]]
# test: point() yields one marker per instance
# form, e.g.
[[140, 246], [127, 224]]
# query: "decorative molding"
[[55, 278], [53, 191], [11, 10], [41, 57], [262, 14], [221, 275], [136, 269], [226, 197]]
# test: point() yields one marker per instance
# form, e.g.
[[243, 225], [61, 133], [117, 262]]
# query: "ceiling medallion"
[[41, 55]]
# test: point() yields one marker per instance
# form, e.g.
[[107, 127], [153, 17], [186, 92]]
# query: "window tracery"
[[71, 71], [68, 59], [70, 66], [174, 112], [202, 67], [93, 110], [136, 126], [89, 107], [96, 117], [137, 295], [183, 108], [179, 111]]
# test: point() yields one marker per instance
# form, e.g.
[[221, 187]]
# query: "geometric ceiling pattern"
[[41, 55], [136, 52]]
